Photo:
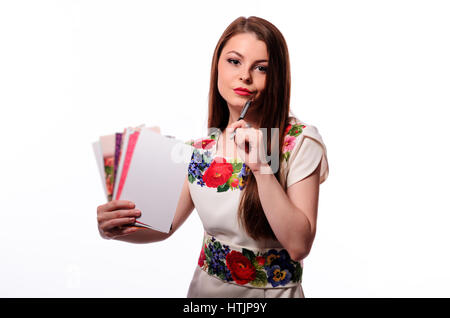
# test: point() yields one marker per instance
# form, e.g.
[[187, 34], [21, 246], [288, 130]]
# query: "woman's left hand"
[[250, 145]]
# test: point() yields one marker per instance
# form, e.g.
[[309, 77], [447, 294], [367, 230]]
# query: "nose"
[[245, 76]]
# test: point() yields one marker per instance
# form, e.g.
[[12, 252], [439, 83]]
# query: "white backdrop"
[[372, 76]]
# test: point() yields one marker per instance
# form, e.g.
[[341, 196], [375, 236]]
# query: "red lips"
[[243, 90]]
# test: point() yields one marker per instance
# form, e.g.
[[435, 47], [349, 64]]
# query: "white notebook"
[[155, 178]]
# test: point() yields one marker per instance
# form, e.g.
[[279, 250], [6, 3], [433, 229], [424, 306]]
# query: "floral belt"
[[261, 269]]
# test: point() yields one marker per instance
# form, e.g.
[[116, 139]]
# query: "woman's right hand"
[[115, 217]]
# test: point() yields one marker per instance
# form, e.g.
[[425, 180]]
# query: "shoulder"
[[295, 134], [303, 150], [296, 127]]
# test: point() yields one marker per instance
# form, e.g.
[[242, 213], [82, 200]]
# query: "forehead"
[[248, 45]]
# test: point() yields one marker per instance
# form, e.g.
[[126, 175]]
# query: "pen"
[[241, 116]]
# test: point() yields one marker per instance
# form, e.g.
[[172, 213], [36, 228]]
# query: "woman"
[[256, 193]]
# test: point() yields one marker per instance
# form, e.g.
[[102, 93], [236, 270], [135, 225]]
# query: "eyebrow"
[[237, 53]]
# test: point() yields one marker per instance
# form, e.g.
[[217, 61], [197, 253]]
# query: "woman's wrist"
[[264, 170]]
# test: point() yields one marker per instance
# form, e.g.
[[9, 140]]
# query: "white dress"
[[231, 263]]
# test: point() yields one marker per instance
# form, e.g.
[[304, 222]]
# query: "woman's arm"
[[141, 235], [292, 215]]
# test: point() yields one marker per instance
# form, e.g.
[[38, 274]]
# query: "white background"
[[372, 76]]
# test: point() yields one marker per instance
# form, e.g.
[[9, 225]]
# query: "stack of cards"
[[143, 166]]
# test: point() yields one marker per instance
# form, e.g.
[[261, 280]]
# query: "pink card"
[[126, 164]]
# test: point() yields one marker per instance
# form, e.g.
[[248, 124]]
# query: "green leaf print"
[[260, 279], [191, 178], [237, 167], [249, 254], [232, 178], [217, 245], [224, 187], [208, 255], [296, 130], [297, 275], [108, 169]]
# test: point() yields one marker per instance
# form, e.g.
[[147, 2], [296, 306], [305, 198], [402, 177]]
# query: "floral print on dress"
[[245, 267], [218, 172], [223, 174], [291, 133]]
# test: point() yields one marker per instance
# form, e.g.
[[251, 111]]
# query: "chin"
[[240, 104], [240, 101]]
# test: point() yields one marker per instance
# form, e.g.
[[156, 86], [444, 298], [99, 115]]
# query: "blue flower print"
[[277, 276], [196, 168]]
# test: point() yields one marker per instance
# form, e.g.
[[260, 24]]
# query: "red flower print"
[[235, 182], [241, 269], [218, 173], [287, 129], [289, 143], [109, 161], [202, 257], [261, 260], [109, 185], [204, 143]]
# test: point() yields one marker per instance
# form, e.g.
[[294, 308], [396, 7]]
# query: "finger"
[[238, 124], [116, 205], [242, 123], [249, 145], [242, 136], [109, 215], [242, 148], [112, 233], [108, 225], [124, 232]]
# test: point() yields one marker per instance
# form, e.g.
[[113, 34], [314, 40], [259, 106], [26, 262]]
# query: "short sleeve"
[[306, 156]]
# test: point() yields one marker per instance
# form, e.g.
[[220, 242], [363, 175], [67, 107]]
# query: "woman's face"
[[242, 65]]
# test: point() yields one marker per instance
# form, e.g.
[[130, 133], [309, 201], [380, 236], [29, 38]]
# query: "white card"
[[101, 167], [155, 178]]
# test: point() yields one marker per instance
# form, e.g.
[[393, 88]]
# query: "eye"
[[233, 61], [262, 68]]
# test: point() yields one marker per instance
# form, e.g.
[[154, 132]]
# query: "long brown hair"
[[273, 103]]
